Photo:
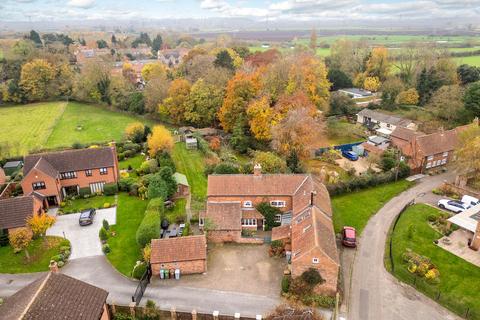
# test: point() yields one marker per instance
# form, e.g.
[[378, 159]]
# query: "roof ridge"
[[37, 292], [65, 151]]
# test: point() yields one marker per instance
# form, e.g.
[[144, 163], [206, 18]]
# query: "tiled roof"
[[282, 232], [384, 117], [181, 178], [313, 229], [179, 249], [55, 297], [73, 160], [252, 185], [14, 211], [438, 142], [404, 133], [45, 167], [224, 215]]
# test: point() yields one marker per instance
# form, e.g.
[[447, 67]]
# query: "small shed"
[[12, 166], [191, 143], [183, 188]]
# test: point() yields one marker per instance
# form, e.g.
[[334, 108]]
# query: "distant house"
[[56, 296], [188, 254], [56, 175], [172, 57], [356, 93], [424, 152], [83, 54], [382, 123], [11, 167], [14, 212], [183, 188]]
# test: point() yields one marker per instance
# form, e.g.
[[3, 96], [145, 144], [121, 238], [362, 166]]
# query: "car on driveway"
[[456, 206], [86, 217], [349, 237], [350, 155]]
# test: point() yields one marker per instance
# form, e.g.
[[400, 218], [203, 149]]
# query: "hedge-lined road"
[[375, 294]]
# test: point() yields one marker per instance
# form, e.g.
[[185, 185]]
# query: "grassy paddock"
[[355, 209], [459, 279], [40, 250], [125, 250]]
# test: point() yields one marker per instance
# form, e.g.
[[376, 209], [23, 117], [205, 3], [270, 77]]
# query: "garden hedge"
[[110, 189], [150, 226]]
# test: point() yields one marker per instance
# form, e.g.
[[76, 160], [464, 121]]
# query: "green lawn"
[[472, 60], [88, 124], [27, 127], [177, 211], [125, 251], [79, 204], [135, 162], [342, 132], [40, 251], [191, 163], [459, 279], [355, 209]]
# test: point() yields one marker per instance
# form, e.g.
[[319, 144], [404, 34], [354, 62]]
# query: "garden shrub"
[[165, 160], [60, 264], [226, 168], [317, 300], [129, 153], [149, 166], [125, 184], [103, 234], [106, 248], [121, 156], [106, 225], [286, 283], [139, 270], [84, 192], [135, 147], [110, 189], [157, 188], [269, 213], [312, 277], [150, 226], [77, 145], [106, 205], [166, 174]]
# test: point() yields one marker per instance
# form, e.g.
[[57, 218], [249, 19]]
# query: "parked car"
[[86, 217], [456, 206], [349, 237], [469, 200], [350, 155]]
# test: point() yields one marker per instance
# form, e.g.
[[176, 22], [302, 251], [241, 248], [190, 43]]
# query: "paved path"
[[375, 294], [84, 240]]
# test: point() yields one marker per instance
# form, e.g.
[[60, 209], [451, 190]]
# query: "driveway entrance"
[[84, 240]]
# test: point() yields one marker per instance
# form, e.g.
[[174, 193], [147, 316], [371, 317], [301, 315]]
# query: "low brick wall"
[[245, 240], [463, 191]]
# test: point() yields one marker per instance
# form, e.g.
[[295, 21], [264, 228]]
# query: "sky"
[[60, 10]]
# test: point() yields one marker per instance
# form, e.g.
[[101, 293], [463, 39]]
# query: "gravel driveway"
[[84, 240]]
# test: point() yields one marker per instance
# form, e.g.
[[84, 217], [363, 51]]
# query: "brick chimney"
[[475, 245], [53, 266], [257, 170]]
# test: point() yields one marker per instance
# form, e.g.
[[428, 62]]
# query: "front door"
[[52, 201]]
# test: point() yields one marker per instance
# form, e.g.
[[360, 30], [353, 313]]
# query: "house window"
[[68, 175], [201, 222], [38, 185], [278, 203], [439, 162], [247, 204], [278, 218], [430, 158], [88, 173], [315, 260], [444, 161], [388, 125], [445, 154], [103, 171], [429, 165], [249, 222], [96, 187]]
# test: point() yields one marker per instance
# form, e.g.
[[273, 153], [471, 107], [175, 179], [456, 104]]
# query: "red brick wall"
[[186, 267], [84, 182], [223, 236], [52, 185]]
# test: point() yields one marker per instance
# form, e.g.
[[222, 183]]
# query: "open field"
[[472, 60], [459, 279], [59, 124], [355, 209]]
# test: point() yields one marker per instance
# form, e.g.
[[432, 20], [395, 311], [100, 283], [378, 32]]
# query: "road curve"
[[375, 294]]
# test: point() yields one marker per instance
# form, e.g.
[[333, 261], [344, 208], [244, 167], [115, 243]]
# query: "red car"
[[349, 238]]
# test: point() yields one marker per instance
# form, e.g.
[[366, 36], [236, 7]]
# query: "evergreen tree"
[[224, 60], [35, 37], [157, 44]]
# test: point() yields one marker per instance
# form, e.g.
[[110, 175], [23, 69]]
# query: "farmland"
[[59, 124]]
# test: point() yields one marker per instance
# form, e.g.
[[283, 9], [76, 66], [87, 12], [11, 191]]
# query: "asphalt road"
[[375, 294]]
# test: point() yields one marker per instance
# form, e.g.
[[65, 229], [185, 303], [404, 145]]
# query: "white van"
[[469, 200]]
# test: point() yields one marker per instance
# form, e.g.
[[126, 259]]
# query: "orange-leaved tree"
[[159, 140], [19, 239], [175, 105], [39, 224]]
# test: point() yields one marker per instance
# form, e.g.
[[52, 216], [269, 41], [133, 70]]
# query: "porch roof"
[[467, 219]]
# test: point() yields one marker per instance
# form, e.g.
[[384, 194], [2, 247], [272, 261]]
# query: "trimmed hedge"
[[85, 192], [110, 189], [150, 226]]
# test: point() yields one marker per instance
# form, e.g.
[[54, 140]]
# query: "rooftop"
[[357, 91], [14, 211], [467, 219], [384, 117], [179, 249], [180, 178]]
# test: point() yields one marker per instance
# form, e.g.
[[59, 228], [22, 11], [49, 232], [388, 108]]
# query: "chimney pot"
[[257, 170]]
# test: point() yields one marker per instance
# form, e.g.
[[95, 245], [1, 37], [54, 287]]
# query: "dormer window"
[[278, 203], [315, 261], [248, 204]]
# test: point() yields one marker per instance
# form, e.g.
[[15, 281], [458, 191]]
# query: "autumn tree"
[[40, 223], [36, 78], [378, 64], [240, 90], [203, 104], [19, 239], [313, 40], [298, 132], [408, 97], [270, 162], [371, 84], [468, 150], [341, 104], [153, 70], [348, 56], [159, 141], [391, 88], [309, 74], [447, 105], [154, 93], [472, 99], [93, 83], [175, 105], [468, 73], [135, 132], [259, 59], [261, 118]]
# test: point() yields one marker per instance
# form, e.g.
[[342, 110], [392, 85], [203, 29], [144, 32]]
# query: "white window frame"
[[445, 154], [247, 204], [97, 187], [278, 218], [430, 158], [278, 203], [315, 260], [103, 171], [444, 161], [429, 165], [249, 222]]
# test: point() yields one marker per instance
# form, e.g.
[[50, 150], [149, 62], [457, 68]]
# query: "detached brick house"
[[425, 152], [56, 175], [56, 296], [15, 211], [189, 254]]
